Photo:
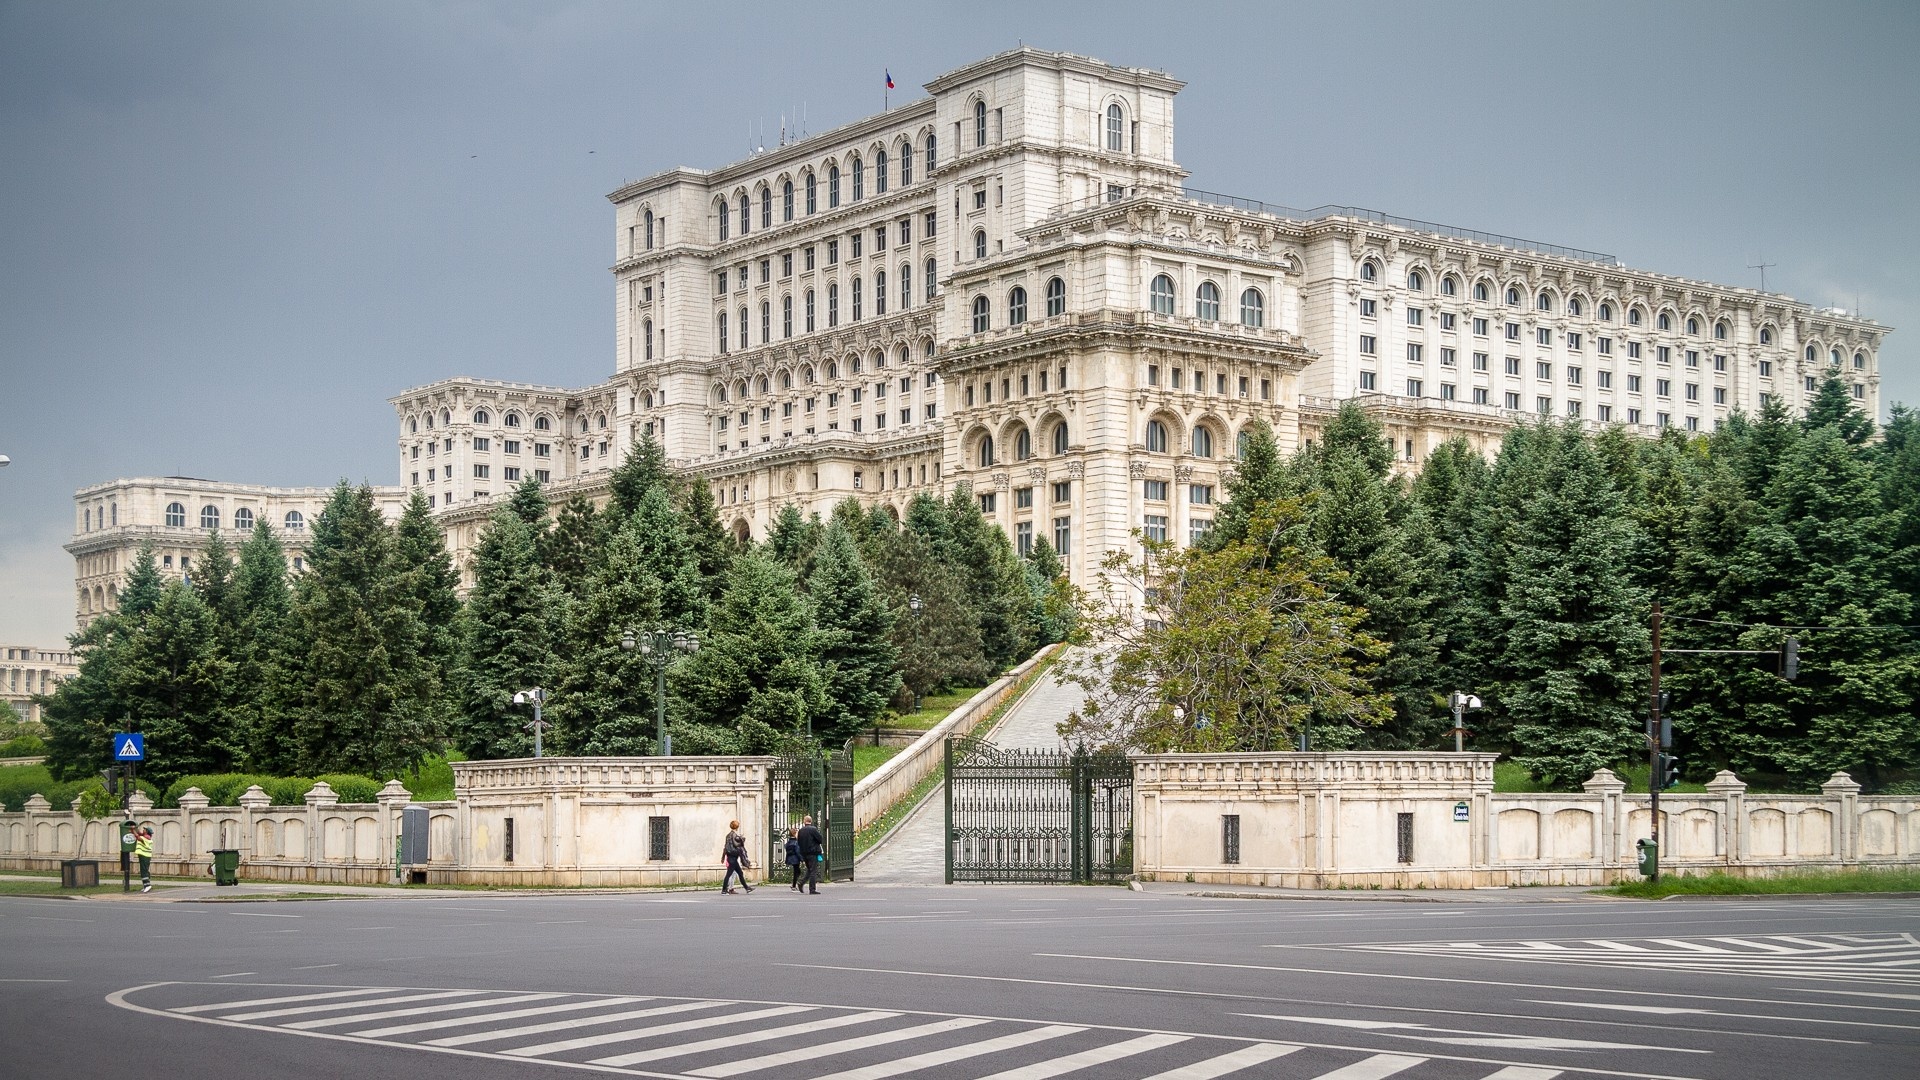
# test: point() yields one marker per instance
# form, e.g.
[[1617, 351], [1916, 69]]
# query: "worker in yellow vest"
[[143, 850]]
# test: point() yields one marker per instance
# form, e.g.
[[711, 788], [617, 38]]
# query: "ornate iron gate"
[[818, 783], [1037, 816]]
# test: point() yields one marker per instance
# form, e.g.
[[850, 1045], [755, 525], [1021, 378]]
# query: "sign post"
[[129, 747]]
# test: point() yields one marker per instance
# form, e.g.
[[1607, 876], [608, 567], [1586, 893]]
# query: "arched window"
[[1156, 437], [1859, 361], [1513, 297], [813, 194], [1160, 295], [982, 314], [1056, 297], [1022, 445], [766, 208], [1813, 354], [1253, 308], [1016, 306], [243, 520], [932, 145], [1369, 272], [979, 123], [1116, 128], [176, 516], [722, 324], [1666, 321], [1574, 306], [1719, 331], [906, 163], [986, 451], [786, 201], [1416, 282], [1833, 357], [1202, 442], [1060, 438], [879, 172], [833, 186], [1693, 326], [1480, 291], [906, 355], [513, 420], [1206, 302], [295, 521], [859, 179], [1635, 316], [931, 274], [541, 423], [745, 216], [1766, 335], [724, 217], [1449, 286], [1545, 301], [980, 243], [648, 219], [482, 416]]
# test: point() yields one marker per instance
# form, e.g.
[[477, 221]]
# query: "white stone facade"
[[1007, 283], [26, 671], [177, 514]]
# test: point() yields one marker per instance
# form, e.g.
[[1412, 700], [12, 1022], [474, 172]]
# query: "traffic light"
[[1669, 771], [1790, 659], [111, 779]]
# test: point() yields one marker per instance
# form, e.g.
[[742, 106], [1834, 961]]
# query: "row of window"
[[1545, 300], [1206, 302], [808, 193], [830, 370], [1158, 439], [511, 419], [243, 518], [810, 311]]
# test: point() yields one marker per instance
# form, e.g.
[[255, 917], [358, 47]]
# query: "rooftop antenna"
[[1762, 267]]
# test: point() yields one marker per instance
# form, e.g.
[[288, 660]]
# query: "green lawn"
[[1903, 879], [933, 709], [1511, 777], [868, 758]]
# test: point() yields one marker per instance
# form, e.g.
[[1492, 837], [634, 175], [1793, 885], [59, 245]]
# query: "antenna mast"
[[1762, 267]]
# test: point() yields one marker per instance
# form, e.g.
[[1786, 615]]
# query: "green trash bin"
[[226, 866], [1649, 856]]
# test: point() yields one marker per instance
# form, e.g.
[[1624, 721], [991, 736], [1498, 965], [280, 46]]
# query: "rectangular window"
[[1663, 387], [1543, 405], [1513, 401], [807, 256], [1633, 384], [1368, 346], [1720, 362], [879, 238], [1606, 379], [1447, 320], [481, 442], [480, 472], [1023, 538], [766, 271], [1153, 374], [1766, 400], [1447, 391], [1664, 355], [1230, 839], [1573, 410], [1481, 396], [1448, 358], [1663, 420], [541, 449], [1573, 342], [1513, 331], [1604, 413], [1543, 371], [1366, 380], [1414, 387], [1693, 391], [1200, 494], [1197, 529], [1604, 345], [1368, 309], [721, 282], [987, 501], [510, 473], [1415, 352], [1063, 536], [931, 224], [543, 476], [1266, 389], [1719, 395], [833, 253], [856, 245], [1480, 361], [1062, 491], [1155, 490], [657, 839], [511, 446], [1573, 376], [1544, 335], [1023, 498], [1766, 369], [1693, 358], [1154, 527], [1513, 365], [1479, 328], [1413, 316]]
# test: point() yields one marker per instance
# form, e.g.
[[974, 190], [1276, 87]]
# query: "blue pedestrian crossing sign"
[[129, 746]]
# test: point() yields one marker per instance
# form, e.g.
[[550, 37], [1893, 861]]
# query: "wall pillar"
[[1846, 838], [1733, 815]]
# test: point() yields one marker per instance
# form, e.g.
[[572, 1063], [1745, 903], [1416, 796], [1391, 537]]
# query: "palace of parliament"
[[1008, 284]]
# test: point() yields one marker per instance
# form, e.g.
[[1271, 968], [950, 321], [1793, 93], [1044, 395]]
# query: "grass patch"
[[1511, 778], [868, 758], [1901, 879], [933, 709], [50, 886]]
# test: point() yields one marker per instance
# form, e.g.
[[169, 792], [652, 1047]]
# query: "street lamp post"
[[535, 697], [660, 648], [1461, 703], [913, 605]]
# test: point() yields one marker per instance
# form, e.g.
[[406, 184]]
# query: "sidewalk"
[[1531, 894]]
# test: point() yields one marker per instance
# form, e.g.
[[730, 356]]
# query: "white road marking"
[[1230, 1062], [1465, 1037], [1762, 946], [218, 1006], [562, 1025], [297, 1010], [882, 1069], [1522, 1072], [236, 974], [1099, 1055], [1373, 1068], [265, 915], [822, 1051], [1771, 1017], [420, 1010], [798, 1032], [512, 1014], [631, 1034], [315, 967], [1657, 1010]]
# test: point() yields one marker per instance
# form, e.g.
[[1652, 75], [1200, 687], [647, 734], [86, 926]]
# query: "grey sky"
[[228, 232]]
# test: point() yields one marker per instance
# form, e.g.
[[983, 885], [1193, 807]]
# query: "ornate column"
[[1733, 815], [1611, 819], [1846, 837]]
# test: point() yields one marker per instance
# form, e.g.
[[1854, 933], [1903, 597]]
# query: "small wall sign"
[[1460, 811]]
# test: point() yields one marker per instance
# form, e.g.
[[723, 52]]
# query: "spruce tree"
[[573, 546], [857, 655], [1833, 405], [142, 593], [603, 699], [671, 556], [643, 469], [758, 670], [713, 547], [508, 639], [1352, 431], [1259, 479], [529, 503], [262, 597], [172, 685], [939, 645], [213, 580], [83, 713], [793, 539]]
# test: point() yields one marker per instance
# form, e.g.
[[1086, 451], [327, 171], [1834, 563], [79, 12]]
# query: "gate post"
[[946, 829], [1081, 823]]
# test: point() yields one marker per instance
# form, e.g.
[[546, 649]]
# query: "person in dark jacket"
[[793, 856], [812, 848], [734, 854]]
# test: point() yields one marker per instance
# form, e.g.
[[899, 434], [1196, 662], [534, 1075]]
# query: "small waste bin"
[[79, 874], [226, 866], [1649, 856]]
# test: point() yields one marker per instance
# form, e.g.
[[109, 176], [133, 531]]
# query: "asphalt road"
[[959, 982]]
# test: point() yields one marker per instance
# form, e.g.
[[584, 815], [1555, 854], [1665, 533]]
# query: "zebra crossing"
[[1879, 958], [718, 1039]]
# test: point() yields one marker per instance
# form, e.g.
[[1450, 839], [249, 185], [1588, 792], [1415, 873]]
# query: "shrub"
[[432, 779], [288, 790], [221, 789], [352, 788], [23, 746]]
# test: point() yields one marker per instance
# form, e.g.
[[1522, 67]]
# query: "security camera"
[[5, 461]]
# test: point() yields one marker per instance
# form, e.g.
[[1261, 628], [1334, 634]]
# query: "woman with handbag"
[[793, 856], [734, 854]]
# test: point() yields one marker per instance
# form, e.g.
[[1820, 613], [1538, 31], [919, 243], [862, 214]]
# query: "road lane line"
[[1231, 1062], [563, 1025], [421, 1010], [272, 1013], [281, 1000], [1099, 1055], [1373, 1068], [651, 1031], [511, 1014], [794, 1031], [882, 1069], [1522, 1072], [822, 1051]]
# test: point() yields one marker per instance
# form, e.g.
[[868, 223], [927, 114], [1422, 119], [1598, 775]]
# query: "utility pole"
[[1653, 744]]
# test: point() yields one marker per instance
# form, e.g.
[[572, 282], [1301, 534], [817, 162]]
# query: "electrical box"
[[414, 827]]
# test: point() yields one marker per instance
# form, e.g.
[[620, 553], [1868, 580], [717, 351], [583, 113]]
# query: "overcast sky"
[[229, 231]]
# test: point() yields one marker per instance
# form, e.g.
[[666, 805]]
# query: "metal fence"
[[1037, 816]]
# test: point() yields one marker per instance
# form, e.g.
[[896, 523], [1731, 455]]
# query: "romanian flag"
[[889, 79]]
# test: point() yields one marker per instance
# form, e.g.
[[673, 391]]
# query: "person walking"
[[793, 856], [734, 854], [143, 850], [812, 852]]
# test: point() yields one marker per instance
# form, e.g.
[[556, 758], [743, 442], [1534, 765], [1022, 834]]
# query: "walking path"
[[914, 854]]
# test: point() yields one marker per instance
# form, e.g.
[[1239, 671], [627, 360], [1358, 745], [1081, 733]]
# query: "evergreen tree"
[[573, 546], [793, 540], [927, 518], [758, 670], [670, 555], [713, 547], [213, 581], [355, 685], [262, 597], [996, 590], [604, 694], [142, 593], [172, 686], [938, 645], [1833, 405], [644, 469], [529, 503], [508, 639], [857, 655], [1352, 431], [1053, 596], [83, 713], [1260, 479], [1570, 673]]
